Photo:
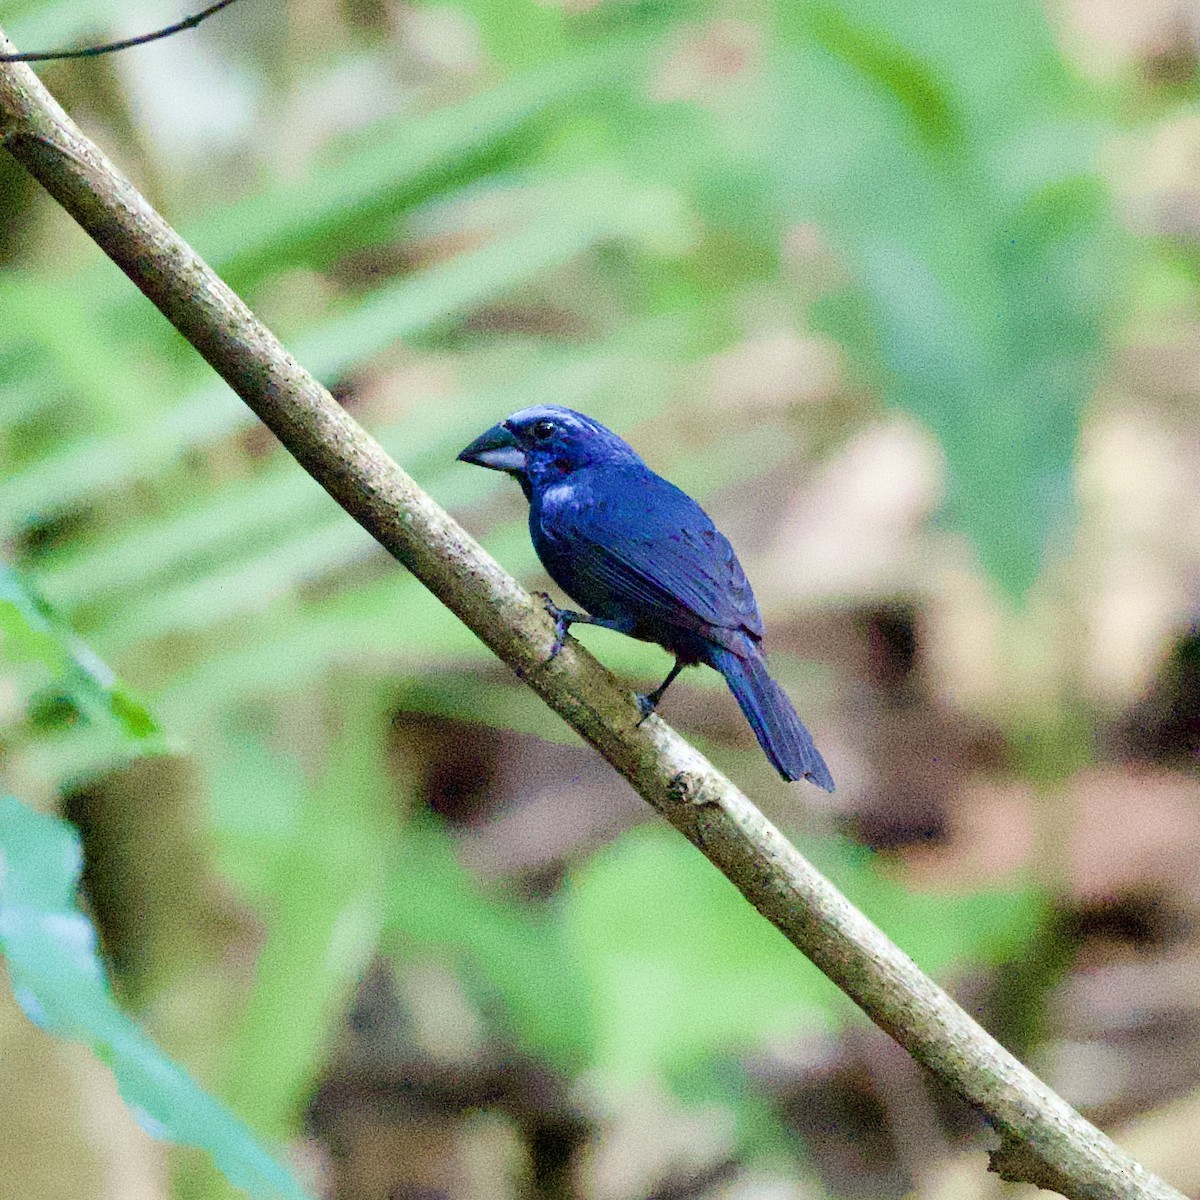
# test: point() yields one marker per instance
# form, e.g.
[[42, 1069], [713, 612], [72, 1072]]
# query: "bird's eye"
[[543, 429]]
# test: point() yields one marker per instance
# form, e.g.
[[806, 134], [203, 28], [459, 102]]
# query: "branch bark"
[[1043, 1139]]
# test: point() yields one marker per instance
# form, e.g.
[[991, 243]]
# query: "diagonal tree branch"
[[1043, 1139]]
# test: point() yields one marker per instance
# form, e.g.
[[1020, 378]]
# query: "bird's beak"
[[497, 449]]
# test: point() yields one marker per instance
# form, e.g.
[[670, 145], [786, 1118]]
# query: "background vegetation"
[[908, 300]]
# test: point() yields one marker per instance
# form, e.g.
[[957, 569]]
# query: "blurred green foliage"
[[629, 180], [964, 190]]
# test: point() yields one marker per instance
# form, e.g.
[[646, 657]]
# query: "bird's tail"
[[779, 730]]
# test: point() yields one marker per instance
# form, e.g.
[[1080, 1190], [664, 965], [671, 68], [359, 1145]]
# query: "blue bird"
[[644, 559]]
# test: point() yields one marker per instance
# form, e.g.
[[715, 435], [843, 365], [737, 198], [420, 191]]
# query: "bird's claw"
[[561, 625], [646, 705]]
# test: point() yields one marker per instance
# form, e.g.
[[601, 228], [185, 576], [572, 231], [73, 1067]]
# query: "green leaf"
[[58, 980], [47, 24], [887, 63], [281, 504], [376, 175], [518, 33], [564, 219], [47, 315], [954, 166], [26, 628], [32, 632]]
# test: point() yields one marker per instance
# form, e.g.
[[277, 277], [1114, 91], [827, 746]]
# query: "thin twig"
[[1041, 1135], [112, 47]]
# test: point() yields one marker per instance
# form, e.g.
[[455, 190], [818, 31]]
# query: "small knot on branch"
[[1016, 1162]]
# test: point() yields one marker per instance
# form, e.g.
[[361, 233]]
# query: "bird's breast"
[[557, 498]]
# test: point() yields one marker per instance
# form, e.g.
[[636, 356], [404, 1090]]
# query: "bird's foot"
[[646, 705], [649, 702], [562, 622]]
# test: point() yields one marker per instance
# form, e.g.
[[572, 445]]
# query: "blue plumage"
[[644, 559]]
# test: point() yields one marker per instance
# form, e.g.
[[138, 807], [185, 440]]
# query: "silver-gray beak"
[[497, 449]]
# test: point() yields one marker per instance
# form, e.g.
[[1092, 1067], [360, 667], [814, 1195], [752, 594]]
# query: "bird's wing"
[[653, 548]]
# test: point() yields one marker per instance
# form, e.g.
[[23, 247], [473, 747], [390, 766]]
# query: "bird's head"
[[546, 442]]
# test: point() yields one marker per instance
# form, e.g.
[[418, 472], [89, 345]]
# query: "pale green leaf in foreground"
[[58, 980]]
